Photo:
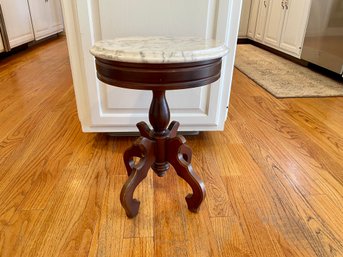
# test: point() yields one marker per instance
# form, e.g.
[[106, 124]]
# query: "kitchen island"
[[109, 109]]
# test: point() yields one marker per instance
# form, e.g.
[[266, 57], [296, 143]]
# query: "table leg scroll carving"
[[173, 127], [144, 129], [179, 155], [144, 149]]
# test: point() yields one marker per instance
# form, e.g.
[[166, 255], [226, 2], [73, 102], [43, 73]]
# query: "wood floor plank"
[[322, 109], [109, 230], [138, 247], [201, 240], [169, 217], [274, 176], [230, 237], [15, 234], [143, 224], [312, 164], [81, 189], [206, 165], [288, 198]]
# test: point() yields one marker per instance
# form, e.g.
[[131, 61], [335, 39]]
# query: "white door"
[[1, 46], [46, 17], [56, 16], [18, 22], [41, 18], [243, 25], [295, 24], [261, 20], [253, 18], [274, 23], [106, 108]]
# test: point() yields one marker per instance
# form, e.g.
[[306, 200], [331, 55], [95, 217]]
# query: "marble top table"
[[159, 49], [159, 64]]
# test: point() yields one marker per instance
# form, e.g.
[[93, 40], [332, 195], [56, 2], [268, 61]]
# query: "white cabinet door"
[[40, 13], [243, 25], [274, 23], [1, 46], [261, 20], [295, 24], [56, 16], [46, 17], [18, 21], [111, 109], [253, 18]]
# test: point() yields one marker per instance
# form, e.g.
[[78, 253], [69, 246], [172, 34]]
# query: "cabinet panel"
[[243, 25], [293, 33], [274, 23], [261, 20], [105, 108], [46, 17], [115, 101], [56, 15], [18, 21], [280, 24], [253, 18], [1, 46], [40, 13]]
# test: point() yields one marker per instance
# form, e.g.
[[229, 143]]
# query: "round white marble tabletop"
[[159, 49]]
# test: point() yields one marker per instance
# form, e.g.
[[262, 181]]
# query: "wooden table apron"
[[161, 146]]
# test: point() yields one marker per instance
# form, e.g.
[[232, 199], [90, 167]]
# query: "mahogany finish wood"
[[166, 76], [161, 146]]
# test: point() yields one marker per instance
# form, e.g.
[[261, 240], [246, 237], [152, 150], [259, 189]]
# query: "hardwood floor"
[[274, 177]]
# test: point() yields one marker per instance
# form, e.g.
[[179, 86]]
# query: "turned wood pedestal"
[[159, 147]]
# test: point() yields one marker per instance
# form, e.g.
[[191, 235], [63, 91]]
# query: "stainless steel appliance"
[[323, 43]]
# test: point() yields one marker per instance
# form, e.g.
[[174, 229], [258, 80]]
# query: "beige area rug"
[[281, 77]]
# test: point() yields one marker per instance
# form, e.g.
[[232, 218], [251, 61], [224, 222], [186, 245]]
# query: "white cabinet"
[[56, 15], [1, 46], [104, 108], [46, 17], [261, 19], [294, 28], [244, 21], [281, 24], [274, 22], [17, 20], [286, 25], [253, 18]]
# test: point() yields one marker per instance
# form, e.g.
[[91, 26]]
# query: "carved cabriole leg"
[[144, 149], [137, 149], [179, 155], [157, 148]]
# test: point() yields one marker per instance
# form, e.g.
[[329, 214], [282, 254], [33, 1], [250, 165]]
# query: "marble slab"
[[159, 49]]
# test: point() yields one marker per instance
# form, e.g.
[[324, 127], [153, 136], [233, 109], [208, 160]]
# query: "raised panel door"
[[18, 22], [168, 17], [244, 21], [56, 16], [1, 46], [261, 20], [253, 18], [295, 24], [274, 23], [41, 18]]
